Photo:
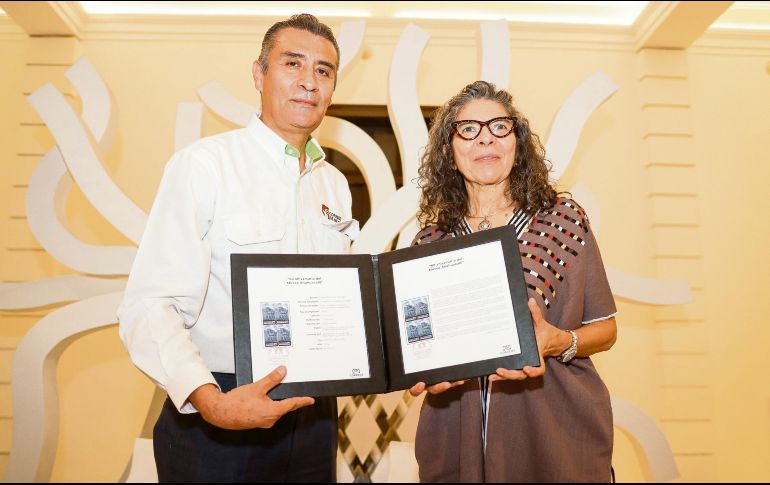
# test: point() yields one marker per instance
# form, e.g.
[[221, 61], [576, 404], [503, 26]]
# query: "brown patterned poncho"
[[557, 428]]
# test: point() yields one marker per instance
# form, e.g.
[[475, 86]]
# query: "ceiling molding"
[[379, 31], [676, 25], [586, 13], [73, 14], [46, 19], [651, 18], [656, 17], [754, 43]]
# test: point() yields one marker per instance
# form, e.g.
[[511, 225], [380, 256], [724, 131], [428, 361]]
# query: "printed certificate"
[[312, 322], [464, 312]]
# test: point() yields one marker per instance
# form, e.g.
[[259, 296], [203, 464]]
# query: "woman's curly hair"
[[444, 200]]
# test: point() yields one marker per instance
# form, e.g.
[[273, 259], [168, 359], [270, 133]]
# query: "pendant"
[[483, 225]]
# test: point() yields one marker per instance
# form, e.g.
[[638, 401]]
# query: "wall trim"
[[378, 31], [733, 42]]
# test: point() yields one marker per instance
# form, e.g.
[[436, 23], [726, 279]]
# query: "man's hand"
[[248, 406]]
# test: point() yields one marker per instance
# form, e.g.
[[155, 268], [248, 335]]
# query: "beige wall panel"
[[689, 436], [664, 119], [637, 335], [741, 443], [730, 99], [694, 310], [628, 466], [12, 57], [657, 91], [6, 359], [684, 337], [51, 50], [687, 269], [668, 150], [34, 139], [8, 342], [92, 443], [662, 63], [26, 113], [678, 241], [673, 180], [698, 467], [675, 210], [19, 235], [21, 167], [14, 200], [683, 403], [5, 435], [6, 409], [15, 324], [686, 369], [37, 76]]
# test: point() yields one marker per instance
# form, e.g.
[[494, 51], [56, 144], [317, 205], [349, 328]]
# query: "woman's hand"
[[551, 341], [418, 388]]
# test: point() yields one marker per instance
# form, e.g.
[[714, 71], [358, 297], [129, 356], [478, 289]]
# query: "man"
[[265, 188]]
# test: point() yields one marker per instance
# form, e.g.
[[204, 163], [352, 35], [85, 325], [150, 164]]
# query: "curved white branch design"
[[50, 183], [189, 122], [46, 194], [495, 53], [350, 39], [655, 449], [225, 105], [407, 121], [98, 112], [397, 211], [648, 290], [35, 404], [403, 106], [77, 150], [571, 118], [58, 289], [357, 145]]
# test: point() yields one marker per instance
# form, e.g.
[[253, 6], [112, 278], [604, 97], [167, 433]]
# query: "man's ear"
[[258, 75]]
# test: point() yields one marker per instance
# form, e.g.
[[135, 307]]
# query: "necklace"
[[484, 224]]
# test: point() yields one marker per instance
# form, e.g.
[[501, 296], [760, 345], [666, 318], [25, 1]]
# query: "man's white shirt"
[[238, 192]]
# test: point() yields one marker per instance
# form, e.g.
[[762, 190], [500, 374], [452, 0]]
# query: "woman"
[[483, 168]]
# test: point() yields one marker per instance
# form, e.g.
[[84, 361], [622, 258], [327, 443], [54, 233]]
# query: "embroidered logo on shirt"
[[329, 214]]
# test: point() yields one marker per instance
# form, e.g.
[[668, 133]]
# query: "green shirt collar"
[[312, 152]]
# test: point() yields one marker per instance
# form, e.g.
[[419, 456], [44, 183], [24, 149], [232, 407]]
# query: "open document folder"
[[367, 324]]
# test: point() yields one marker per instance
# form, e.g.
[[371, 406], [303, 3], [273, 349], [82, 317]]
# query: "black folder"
[[380, 314]]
